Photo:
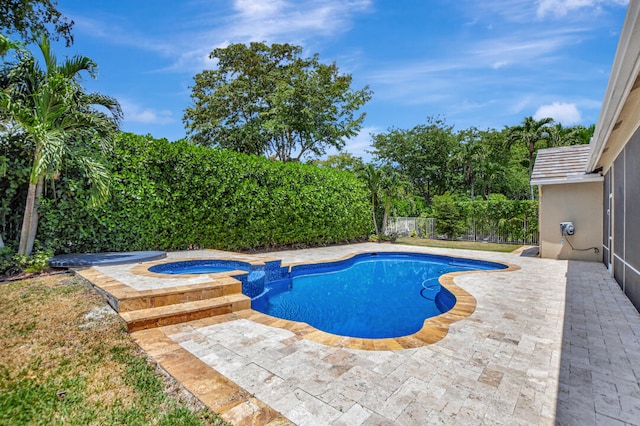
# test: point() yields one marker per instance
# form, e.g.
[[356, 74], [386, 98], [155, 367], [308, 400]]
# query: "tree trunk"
[[373, 213], [27, 219], [36, 216], [385, 217], [1, 242], [472, 188]]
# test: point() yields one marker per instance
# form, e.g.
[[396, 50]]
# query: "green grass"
[[60, 366], [465, 245]]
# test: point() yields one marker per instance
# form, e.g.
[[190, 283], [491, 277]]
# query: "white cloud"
[[258, 7], [522, 11], [273, 21], [559, 8], [518, 105], [513, 10], [280, 21], [437, 79], [117, 32], [135, 113], [561, 112], [523, 47], [258, 20]]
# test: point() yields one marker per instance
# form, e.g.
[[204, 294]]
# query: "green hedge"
[[453, 216], [176, 196]]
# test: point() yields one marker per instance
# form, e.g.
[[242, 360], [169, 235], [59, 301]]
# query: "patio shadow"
[[600, 356]]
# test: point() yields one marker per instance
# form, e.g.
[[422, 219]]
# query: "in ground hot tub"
[[206, 266], [252, 276]]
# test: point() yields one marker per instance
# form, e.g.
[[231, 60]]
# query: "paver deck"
[[555, 342]]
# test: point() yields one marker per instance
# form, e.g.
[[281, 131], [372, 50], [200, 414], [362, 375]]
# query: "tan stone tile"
[[491, 377]]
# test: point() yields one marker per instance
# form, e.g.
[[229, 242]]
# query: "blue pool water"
[[368, 296], [372, 295], [200, 267]]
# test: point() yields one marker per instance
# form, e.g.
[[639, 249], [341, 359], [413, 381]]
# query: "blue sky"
[[476, 63]]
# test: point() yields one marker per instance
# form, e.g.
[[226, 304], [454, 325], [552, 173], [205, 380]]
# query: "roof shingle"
[[560, 163]]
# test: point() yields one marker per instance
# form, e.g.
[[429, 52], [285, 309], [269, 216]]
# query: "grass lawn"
[[66, 359], [466, 245]]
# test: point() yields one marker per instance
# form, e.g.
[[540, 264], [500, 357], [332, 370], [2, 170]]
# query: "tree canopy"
[[436, 159], [33, 18], [268, 100], [421, 154]]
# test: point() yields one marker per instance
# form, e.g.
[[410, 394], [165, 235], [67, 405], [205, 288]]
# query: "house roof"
[[565, 164]]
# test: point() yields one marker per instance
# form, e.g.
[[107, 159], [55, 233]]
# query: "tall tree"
[[584, 134], [344, 161], [48, 107], [565, 136], [532, 133], [269, 100], [392, 189], [32, 18], [470, 156], [503, 169], [421, 153]]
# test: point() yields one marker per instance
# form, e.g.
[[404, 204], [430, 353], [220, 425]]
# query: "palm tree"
[[531, 132], [392, 188], [471, 156], [57, 120], [565, 136]]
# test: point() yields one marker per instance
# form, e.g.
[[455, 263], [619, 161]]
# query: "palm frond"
[[99, 179], [50, 60], [6, 44], [72, 67]]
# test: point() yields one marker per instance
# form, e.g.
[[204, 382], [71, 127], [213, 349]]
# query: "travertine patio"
[[555, 342]]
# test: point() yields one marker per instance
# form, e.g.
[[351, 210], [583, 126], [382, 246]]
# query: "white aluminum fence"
[[424, 227]]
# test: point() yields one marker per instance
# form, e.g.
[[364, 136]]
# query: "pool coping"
[[433, 330]]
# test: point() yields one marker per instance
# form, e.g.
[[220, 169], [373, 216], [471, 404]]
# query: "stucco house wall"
[[580, 203]]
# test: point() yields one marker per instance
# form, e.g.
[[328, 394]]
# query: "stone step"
[[160, 316], [158, 297]]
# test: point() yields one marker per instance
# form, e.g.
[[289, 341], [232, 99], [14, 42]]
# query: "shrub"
[[497, 214], [449, 215], [7, 263], [12, 263], [177, 196]]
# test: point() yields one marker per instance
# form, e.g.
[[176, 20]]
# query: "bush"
[[12, 263], [7, 263], [449, 216], [454, 216], [177, 196]]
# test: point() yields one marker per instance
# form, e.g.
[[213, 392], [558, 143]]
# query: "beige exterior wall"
[[580, 203]]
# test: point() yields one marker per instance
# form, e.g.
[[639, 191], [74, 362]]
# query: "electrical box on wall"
[[567, 228]]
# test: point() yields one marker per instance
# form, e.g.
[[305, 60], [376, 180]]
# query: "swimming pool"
[[373, 295], [369, 295]]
